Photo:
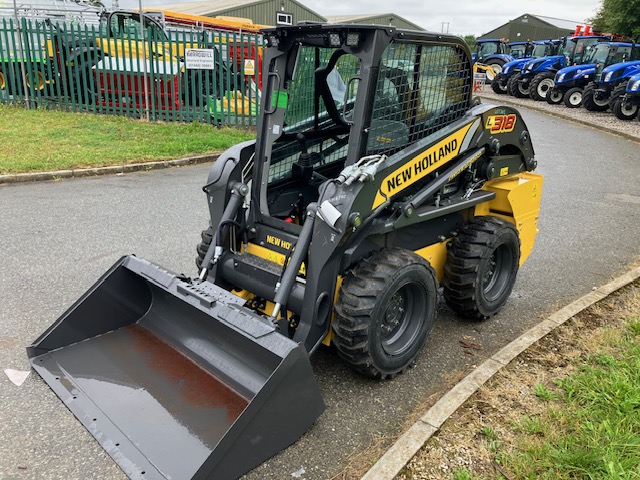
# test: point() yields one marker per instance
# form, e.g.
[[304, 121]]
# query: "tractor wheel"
[[495, 70], [384, 312], [515, 89], [591, 102], [617, 92], [541, 84], [573, 98], [624, 110], [203, 246], [499, 85], [554, 97], [482, 264]]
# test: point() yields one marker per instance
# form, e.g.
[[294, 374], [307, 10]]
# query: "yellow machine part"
[[518, 201]]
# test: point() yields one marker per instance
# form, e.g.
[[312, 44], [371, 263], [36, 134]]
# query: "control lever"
[[303, 168]]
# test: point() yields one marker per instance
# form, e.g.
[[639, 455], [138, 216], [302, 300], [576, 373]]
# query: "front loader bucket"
[[176, 380]]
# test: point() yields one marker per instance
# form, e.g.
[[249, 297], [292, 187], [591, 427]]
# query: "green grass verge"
[[46, 140], [591, 428]]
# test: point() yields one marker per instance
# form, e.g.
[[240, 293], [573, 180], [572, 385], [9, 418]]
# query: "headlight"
[[608, 76], [635, 86], [560, 78]]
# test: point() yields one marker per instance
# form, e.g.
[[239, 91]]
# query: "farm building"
[[376, 19], [281, 12], [533, 27], [262, 12]]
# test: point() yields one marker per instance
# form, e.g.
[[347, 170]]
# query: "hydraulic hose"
[[283, 289], [237, 191]]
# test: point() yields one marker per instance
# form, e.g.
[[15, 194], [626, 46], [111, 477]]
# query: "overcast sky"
[[464, 16]]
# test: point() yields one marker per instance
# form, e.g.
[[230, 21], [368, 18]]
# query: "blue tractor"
[[570, 82], [537, 75], [539, 49], [629, 103], [610, 82], [492, 52]]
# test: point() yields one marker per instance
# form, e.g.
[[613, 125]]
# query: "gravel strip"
[[606, 121]]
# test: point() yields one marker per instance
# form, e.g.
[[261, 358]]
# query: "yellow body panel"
[[436, 255], [517, 200]]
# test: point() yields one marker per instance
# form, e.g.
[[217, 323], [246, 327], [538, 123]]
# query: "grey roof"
[[209, 8], [559, 22], [359, 18], [206, 8]]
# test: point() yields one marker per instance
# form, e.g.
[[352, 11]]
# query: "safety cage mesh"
[[421, 88], [307, 113]]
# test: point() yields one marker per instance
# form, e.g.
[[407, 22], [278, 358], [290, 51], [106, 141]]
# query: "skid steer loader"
[[374, 177]]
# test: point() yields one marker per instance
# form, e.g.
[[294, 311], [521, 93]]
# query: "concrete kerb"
[[532, 106], [403, 450], [113, 170]]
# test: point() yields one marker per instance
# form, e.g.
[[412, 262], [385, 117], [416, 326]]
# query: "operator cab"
[[332, 89]]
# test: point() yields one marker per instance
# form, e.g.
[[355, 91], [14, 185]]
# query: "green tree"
[[470, 40], [619, 16]]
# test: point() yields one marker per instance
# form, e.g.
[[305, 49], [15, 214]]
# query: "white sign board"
[[199, 58], [249, 67]]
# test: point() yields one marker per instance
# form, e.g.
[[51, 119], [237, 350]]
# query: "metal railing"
[[161, 75]]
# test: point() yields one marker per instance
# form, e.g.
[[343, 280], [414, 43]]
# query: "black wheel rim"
[[401, 320], [496, 276]]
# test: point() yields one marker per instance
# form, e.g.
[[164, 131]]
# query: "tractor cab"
[[577, 49], [545, 48], [610, 53], [489, 47], [520, 49]]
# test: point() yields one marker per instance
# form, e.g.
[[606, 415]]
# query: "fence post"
[[21, 48]]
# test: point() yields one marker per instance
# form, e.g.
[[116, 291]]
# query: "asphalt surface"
[[57, 238]]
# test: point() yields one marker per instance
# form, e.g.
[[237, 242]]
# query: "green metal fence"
[[162, 75]]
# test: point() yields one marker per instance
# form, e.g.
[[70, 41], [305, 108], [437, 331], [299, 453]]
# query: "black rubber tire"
[[203, 246], [498, 84], [590, 102], [541, 84], [554, 97], [515, 89], [374, 333], [624, 111], [481, 268], [618, 91], [573, 98]]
